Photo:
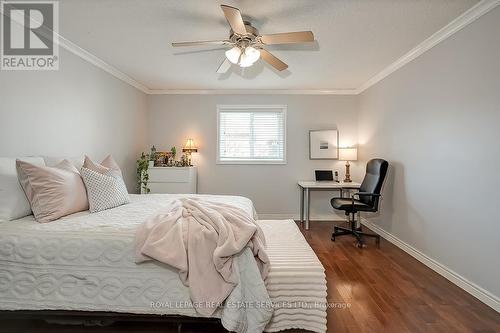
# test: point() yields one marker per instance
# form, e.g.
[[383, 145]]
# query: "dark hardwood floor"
[[377, 290], [389, 291]]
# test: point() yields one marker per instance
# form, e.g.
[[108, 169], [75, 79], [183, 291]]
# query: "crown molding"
[[92, 59], [98, 62], [454, 26], [450, 29], [254, 92]]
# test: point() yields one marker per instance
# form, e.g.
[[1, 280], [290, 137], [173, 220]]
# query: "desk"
[[307, 186]]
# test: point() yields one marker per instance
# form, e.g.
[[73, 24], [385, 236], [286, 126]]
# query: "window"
[[252, 134]]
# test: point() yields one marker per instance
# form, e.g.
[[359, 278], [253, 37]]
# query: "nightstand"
[[173, 179]]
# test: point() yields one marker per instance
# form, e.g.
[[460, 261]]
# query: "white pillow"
[[104, 190], [13, 201], [52, 161]]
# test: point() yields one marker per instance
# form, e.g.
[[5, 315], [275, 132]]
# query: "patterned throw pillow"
[[105, 190]]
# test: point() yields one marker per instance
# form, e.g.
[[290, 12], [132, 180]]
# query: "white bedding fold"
[[296, 281]]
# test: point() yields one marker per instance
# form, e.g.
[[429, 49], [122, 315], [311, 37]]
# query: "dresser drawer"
[[169, 175], [173, 180], [182, 188]]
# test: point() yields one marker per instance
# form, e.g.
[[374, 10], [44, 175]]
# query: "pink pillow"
[[107, 164], [53, 192]]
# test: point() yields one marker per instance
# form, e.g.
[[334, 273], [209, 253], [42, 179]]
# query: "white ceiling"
[[356, 39]]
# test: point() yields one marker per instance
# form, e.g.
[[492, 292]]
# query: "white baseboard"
[[483, 295]]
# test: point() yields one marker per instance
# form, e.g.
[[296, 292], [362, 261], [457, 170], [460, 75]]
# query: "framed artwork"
[[323, 145], [162, 158]]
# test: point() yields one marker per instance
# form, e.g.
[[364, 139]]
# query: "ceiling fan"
[[247, 44]]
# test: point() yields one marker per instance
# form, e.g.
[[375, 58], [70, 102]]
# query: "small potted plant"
[[142, 174], [152, 157], [173, 151]]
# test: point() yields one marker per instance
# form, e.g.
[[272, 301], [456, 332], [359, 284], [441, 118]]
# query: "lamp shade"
[[233, 54], [190, 147], [248, 57], [348, 154]]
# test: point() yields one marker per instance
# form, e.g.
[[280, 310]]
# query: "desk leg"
[[301, 205], [308, 205]]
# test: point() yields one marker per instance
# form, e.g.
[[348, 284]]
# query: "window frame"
[[252, 108]]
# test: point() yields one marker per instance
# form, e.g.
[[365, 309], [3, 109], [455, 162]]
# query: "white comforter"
[[86, 262]]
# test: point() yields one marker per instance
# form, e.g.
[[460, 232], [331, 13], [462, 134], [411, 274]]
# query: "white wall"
[[77, 110], [273, 188], [437, 120]]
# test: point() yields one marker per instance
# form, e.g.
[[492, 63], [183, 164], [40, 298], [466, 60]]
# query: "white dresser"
[[173, 179]]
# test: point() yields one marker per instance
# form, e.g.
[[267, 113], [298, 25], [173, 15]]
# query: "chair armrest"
[[359, 194], [364, 194]]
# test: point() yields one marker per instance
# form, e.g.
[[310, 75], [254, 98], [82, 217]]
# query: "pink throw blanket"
[[200, 239]]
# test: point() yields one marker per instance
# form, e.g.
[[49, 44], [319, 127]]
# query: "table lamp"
[[348, 154], [189, 148]]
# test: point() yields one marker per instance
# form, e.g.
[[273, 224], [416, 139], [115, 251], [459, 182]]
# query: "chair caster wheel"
[[360, 245], [333, 239]]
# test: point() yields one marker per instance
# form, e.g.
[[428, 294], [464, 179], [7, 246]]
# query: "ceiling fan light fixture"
[[245, 63], [233, 54], [247, 44], [249, 56], [252, 54]]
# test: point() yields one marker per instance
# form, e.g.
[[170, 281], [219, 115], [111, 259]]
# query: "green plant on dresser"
[[142, 174]]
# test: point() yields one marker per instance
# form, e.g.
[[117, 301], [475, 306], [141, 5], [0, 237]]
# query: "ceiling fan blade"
[[202, 42], [233, 17], [288, 38], [272, 60], [224, 67]]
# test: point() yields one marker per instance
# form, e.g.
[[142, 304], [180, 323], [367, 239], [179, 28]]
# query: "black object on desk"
[[324, 175]]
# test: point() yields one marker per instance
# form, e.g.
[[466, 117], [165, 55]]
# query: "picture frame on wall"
[[323, 144]]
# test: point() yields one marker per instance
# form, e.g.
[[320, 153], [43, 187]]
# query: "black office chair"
[[368, 200]]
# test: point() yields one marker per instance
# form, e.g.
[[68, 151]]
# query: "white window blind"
[[251, 134]]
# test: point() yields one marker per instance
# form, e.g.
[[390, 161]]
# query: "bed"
[[85, 263]]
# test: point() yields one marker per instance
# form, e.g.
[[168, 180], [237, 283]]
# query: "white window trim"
[[251, 108]]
